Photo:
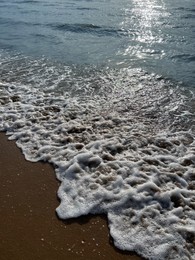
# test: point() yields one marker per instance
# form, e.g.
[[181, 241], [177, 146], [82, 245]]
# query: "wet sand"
[[30, 228]]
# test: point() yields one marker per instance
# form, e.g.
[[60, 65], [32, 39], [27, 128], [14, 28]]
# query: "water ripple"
[[88, 28]]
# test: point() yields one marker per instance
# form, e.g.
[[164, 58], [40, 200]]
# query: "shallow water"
[[156, 35], [105, 92]]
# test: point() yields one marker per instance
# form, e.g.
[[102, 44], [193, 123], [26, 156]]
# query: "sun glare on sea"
[[146, 18]]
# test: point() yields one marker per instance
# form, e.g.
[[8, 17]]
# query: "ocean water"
[[104, 91]]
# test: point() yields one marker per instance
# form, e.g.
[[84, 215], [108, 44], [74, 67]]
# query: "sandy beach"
[[30, 228]]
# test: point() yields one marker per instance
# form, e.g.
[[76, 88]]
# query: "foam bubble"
[[124, 153]]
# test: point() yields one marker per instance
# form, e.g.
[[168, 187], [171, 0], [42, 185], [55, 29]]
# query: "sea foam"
[[128, 153]]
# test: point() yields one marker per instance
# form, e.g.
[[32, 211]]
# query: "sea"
[[105, 92]]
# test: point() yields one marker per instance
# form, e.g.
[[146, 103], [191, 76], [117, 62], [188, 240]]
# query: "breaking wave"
[[121, 142]]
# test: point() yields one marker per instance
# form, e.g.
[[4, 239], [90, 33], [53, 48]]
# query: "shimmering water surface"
[[157, 35], [104, 91]]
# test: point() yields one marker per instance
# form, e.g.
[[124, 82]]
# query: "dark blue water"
[[155, 35]]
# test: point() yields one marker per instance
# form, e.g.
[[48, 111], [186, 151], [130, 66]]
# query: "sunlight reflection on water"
[[146, 17]]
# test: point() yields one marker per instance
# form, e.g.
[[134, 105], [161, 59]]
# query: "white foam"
[[114, 155]]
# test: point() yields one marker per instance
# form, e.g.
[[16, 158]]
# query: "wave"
[[121, 142], [12, 22], [88, 28], [186, 9], [184, 57], [29, 2]]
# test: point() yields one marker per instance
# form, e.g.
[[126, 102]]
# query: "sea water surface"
[[104, 91]]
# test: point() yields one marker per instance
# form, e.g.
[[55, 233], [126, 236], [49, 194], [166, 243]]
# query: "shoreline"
[[30, 228]]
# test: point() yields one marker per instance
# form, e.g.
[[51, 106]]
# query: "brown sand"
[[29, 228]]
